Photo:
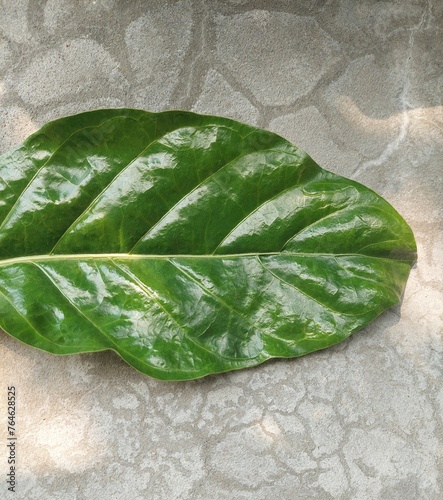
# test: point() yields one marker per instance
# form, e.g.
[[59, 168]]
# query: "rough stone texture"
[[358, 85], [219, 98], [277, 56]]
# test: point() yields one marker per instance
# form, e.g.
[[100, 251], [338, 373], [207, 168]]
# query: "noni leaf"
[[188, 244]]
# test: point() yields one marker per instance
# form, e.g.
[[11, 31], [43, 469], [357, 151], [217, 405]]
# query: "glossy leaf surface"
[[188, 244]]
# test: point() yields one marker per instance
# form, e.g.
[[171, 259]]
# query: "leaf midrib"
[[126, 256]]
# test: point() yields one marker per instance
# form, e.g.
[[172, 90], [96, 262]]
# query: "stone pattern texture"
[[359, 86]]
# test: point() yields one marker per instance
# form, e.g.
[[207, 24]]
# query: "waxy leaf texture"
[[188, 244]]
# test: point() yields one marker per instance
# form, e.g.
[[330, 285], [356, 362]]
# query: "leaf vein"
[[27, 321], [218, 299], [256, 209], [8, 215], [203, 182], [279, 278]]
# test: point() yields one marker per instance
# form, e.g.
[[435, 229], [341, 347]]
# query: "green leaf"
[[188, 244]]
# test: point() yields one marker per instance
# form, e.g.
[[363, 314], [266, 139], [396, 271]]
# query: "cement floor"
[[359, 86]]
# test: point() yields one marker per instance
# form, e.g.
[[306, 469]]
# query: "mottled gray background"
[[358, 85]]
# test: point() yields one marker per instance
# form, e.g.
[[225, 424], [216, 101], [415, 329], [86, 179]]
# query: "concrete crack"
[[405, 105]]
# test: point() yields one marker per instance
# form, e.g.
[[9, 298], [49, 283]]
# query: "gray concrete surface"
[[359, 86]]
